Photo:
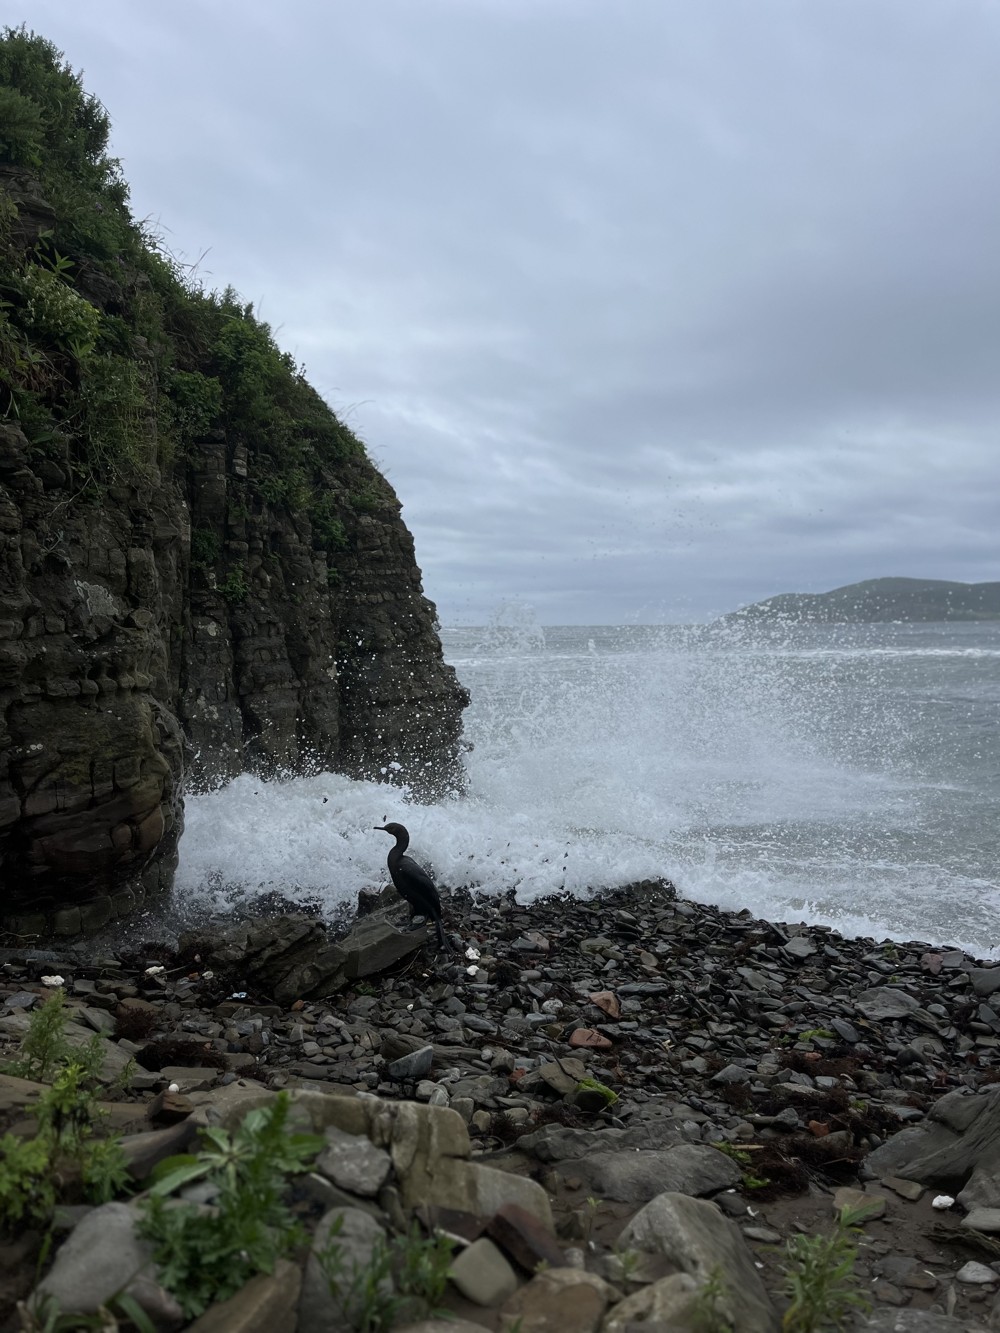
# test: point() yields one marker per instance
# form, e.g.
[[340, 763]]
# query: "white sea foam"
[[784, 782]]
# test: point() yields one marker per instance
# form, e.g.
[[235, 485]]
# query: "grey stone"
[[885, 1002], [694, 1236], [102, 1257], [482, 1274], [353, 1163], [983, 1219], [917, 1321], [671, 1303], [976, 1274], [847, 1031], [558, 1300], [351, 1236], [959, 1137], [985, 980], [732, 1074], [414, 1066], [637, 1177]]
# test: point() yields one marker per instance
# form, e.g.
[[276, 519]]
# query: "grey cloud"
[[646, 310]]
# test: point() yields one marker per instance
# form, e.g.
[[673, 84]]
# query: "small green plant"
[[628, 1263], [405, 1277], [819, 1277], [708, 1313], [206, 1257], [44, 1047], [423, 1268], [46, 1316], [589, 1214], [823, 1033], [738, 1155], [236, 588], [33, 1171], [205, 548]]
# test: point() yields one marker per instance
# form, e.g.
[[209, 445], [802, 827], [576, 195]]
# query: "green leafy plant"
[[589, 1214], [205, 548], [56, 312], [365, 1292], [823, 1033], [236, 587], [207, 1254], [44, 1046], [627, 1261], [708, 1315], [819, 1278], [34, 1171], [46, 1316], [407, 1276]]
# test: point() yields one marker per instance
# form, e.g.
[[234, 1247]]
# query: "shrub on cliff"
[[110, 344]]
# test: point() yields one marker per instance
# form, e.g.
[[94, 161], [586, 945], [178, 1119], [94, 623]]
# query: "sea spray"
[[803, 774]]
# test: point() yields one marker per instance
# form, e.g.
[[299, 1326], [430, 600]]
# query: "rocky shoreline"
[[662, 1089]]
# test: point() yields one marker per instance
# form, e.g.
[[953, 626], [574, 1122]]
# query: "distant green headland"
[[881, 599]]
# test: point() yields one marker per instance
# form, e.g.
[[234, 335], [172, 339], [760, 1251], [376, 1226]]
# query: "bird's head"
[[397, 830]]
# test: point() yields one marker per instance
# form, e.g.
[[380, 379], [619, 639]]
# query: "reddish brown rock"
[[587, 1037], [521, 1235]]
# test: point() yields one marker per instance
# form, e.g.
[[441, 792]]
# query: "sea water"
[[846, 775]]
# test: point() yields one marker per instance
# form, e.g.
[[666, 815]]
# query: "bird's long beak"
[[381, 828]]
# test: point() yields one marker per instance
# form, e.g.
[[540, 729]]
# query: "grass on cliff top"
[[112, 348]]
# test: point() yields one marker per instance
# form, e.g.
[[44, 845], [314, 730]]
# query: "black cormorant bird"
[[412, 881]]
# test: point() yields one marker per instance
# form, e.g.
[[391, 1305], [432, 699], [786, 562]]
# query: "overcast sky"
[[647, 308]]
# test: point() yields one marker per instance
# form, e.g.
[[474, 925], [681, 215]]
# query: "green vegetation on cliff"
[[882, 600], [110, 345]]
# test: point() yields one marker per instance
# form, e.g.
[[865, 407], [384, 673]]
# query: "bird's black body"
[[412, 881]]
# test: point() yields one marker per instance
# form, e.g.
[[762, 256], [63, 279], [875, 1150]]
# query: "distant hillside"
[[882, 599]]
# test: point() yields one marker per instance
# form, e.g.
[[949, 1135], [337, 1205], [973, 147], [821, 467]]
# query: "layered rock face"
[[165, 618]]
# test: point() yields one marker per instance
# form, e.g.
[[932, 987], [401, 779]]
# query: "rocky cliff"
[[200, 570]]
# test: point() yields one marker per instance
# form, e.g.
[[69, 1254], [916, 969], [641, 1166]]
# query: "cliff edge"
[[201, 572]]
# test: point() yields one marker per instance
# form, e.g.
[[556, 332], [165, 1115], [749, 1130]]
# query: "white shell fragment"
[[943, 1201], [53, 981], [156, 970]]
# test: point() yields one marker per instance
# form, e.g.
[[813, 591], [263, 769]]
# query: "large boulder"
[[695, 1237]]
